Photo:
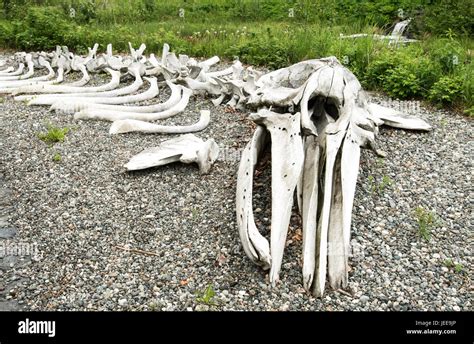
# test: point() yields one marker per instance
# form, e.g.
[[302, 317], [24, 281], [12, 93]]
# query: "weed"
[[57, 157], [458, 267], [426, 221], [448, 263], [206, 296], [54, 134], [379, 187]]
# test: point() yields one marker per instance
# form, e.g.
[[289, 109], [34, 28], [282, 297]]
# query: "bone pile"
[[314, 114]]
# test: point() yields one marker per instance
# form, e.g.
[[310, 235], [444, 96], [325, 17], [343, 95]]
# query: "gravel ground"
[[85, 217]]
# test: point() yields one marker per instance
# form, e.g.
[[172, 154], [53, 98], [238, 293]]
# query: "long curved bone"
[[18, 71], [255, 245], [11, 86], [7, 70], [287, 163], [43, 88], [174, 98], [131, 125], [20, 82], [77, 104], [46, 100], [88, 96], [186, 148], [111, 115], [30, 72]]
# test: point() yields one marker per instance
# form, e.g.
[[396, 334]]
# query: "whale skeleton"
[[313, 116]]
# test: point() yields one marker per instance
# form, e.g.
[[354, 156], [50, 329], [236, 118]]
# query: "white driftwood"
[[186, 148], [132, 125]]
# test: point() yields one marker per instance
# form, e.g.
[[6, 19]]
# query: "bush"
[[6, 34], [267, 51], [400, 82], [42, 28], [455, 15], [448, 52], [446, 90]]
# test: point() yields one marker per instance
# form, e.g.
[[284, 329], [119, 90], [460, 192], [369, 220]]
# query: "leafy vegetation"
[[57, 157], [54, 134], [206, 296], [272, 33], [458, 267], [381, 186], [426, 221]]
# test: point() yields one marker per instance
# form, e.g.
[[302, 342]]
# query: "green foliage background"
[[274, 33]]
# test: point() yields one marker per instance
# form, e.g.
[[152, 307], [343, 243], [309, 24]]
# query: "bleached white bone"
[[396, 119], [186, 148], [287, 163], [131, 125], [47, 100], [255, 245], [73, 105], [112, 115], [18, 71], [174, 98]]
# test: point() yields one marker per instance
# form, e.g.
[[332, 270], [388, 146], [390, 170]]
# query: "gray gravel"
[[88, 217]]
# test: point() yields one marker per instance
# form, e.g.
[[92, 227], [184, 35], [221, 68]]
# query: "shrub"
[[378, 68], [446, 90], [6, 34], [402, 83], [456, 15], [42, 28], [267, 51], [447, 52]]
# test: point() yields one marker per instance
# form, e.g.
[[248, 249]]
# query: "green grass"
[[379, 187], [458, 267], [426, 221], [438, 68], [57, 157], [53, 134]]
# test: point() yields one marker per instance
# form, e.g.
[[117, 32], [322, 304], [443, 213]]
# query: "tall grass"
[[260, 33]]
